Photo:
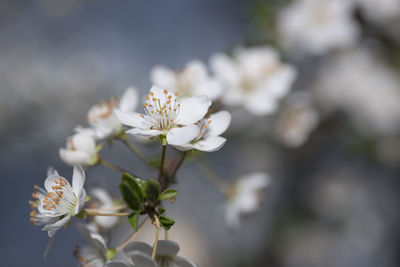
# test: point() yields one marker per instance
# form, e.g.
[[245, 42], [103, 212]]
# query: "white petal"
[[84, 142], [195, 71], [141, 259], [163, 77], [78, 180], [182, 135], [260, 104], [212, 88], [220, 121], [225, 68], [158, 92], [144, 132], [51, 181], [72, 157], [182, 262], [138, 246], [184, 147], [129, 100], [167, 248], [81, 201], [52, 228], [210, 144], [117, 263], [132, 119], [193, 109], [52, 171], [232, 216]]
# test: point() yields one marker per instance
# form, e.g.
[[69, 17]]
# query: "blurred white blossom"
[[192, 80], [167, 115], [254, 78], [297, 120], [365, 88], [380, 12], [317, 26], [105, 202], [61, 200], [211, 127], [80, 149], [246, 197]]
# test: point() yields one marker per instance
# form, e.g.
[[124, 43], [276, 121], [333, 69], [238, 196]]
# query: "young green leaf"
[[166, 222], [133, 220], [161, 211], [152, 190], [130, 197], [168, 194], [133, 184]]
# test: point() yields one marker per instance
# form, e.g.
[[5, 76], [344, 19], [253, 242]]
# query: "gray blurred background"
[[333, 202]]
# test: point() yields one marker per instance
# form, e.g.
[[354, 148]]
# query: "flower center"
[[102, 110], [61, 199], [162, 112]]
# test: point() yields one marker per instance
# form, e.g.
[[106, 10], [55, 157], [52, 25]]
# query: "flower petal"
[[144, 132], [182, 135], [167, 248], [261, 104], [51, 181], [52, 228], [220, 121], [81, 201], [138, 246], [142, 259], [117, 263], [132, 119], [158, 92], [193, 109], [84, 142], [163, 77], [182, 262], [225, 68], [210, 144], [129, 100], [78, 180], [186, 147], [212, 88], [72, 157]]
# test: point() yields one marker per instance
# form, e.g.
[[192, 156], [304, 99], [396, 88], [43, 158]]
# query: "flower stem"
[[115, 167], [136, 151], [120, 207], [161, 173], [214, 177], [171, 176], [96, 213], [132, 236], [153, 255]]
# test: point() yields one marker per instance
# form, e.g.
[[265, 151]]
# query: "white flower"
[[105, 202], [254, 78], [104, 124], [317, 26], [94, 255], [210, 128], [365, 88], [297, 120], [191, 81], [384, 11], [168, 115], [245, 197], [60, 200], [166, 255], [80, 149]]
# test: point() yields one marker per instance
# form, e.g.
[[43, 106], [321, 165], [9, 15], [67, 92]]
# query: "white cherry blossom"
[[80, 149], [60, 200], [167, 115], [246, 197], [104, 124], [105, 201], [211, 127], [254, 78], [317, 26], [192, 80]]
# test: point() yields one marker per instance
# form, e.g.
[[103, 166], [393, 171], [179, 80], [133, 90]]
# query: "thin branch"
[[115, 167], [133, 235]]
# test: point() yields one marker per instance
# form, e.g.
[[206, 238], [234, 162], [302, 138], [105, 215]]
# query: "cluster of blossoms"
[[179, 112]]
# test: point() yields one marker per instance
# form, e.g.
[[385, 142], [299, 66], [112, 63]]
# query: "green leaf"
[[133, 184], [152, 190], [161, 211], [133, 219], [166, 222], [168, 194], [131, 198]]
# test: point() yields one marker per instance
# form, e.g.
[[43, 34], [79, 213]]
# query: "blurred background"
[[332, 148]]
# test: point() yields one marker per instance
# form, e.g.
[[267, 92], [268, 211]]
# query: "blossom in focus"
[[167, 115], [80, 149], [60, 200], [298, 119], [245, 197], [211, 127], [94, 255], [254, 78], [316, 27], [365, 88], [105, 201], [193, 80], [381, 12], [104, 124], [166, 255]]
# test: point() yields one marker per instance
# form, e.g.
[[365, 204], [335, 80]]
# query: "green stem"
[[161, 173], [96, 213], [136, 151], [115, 167], [153, 255], [214, 177]]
